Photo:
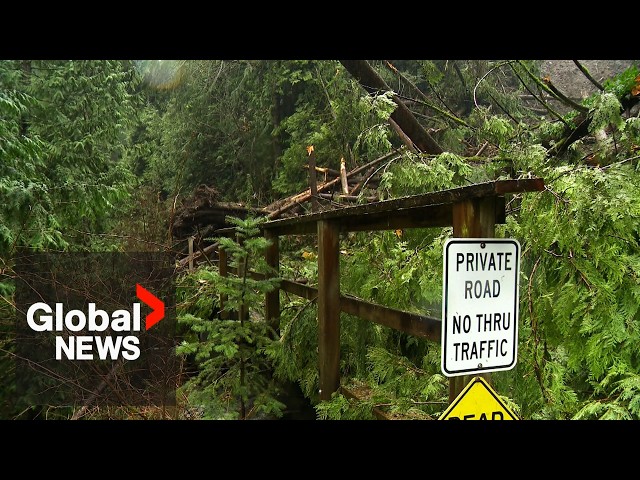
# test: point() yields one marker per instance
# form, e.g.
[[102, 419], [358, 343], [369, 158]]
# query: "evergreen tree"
[[232, 379], [64, 139]]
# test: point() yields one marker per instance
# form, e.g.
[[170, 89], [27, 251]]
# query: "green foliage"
[[415, 174], [415, 390], [25, 216], [497, 130], [528, 159], [431, 72], [223, 122], [74, 133], [548, 132], [606, 112], [64, 140], [295, 354], [341, 408], [394, 385], [402, 373], [386, 268], [580, 287], [624, 405], [209, 123], [581, 300], [330, 113], [622, 84], [64, 127], [454, 139], [84, 113], [579, 304], [229, 348], [381, 106]]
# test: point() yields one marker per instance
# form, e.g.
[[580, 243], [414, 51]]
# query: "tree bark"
[[403, 136], [373, 84], [586, 73]]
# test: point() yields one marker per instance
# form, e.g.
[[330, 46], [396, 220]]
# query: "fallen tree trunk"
[[374, 84], [583, 122], [281, 206]]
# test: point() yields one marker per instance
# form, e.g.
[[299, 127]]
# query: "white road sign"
[[480, 305]]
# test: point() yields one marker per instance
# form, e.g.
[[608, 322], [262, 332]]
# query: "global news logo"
[[114, 333]]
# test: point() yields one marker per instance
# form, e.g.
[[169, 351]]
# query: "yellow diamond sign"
[[478, 401]]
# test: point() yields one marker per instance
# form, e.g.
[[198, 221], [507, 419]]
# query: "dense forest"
[[107, 156]]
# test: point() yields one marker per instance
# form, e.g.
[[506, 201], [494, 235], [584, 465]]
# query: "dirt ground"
[[565, 75]]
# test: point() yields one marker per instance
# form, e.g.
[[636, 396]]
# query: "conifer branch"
[[548, 87], [424, 99], [620, 162], [586, 73], [540, 100], [503, 109], [475, 88]]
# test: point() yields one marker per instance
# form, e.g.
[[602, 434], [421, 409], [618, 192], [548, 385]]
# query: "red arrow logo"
[[154, 302]]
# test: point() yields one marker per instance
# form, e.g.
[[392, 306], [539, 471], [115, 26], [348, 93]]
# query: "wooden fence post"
[[475, 218], [328, 308]]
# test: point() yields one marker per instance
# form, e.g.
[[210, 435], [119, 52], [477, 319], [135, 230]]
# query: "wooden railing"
[[472, 211]]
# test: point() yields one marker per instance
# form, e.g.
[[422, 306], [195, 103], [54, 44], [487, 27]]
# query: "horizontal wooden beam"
[[419, 217], [299, 289], [411, 323], [411, 211]]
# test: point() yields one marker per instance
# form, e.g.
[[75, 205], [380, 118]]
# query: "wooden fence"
[[472, 211]]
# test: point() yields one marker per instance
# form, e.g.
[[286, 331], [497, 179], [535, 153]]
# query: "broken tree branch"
[[374, 84], [548, 87], [586, 73], [403, 136], [425, 100], [360, 184], [313, 184], [278, 208], [343, 177]]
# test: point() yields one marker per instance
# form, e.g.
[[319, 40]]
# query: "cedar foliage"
[[64, 145], [578, 356], [579, 291], [243, 127]]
